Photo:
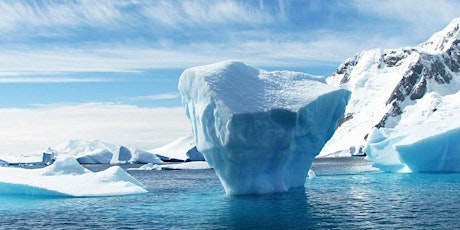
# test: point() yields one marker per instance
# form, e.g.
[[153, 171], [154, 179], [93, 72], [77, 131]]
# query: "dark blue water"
[[346, 194]]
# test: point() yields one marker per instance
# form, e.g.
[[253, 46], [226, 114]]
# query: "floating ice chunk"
[[49, 156], [144, 157], [259, 130], [146, 167], [193, 165], [194, 155], [182, 149], [23, 159], [66, 177]]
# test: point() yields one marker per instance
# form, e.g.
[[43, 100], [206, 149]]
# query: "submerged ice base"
[[259, 130]]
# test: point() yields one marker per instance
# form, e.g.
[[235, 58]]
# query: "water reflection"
[[272, 211]]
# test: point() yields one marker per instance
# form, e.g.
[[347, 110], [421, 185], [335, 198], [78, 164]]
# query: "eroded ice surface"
[[66, 177], [259, 130]]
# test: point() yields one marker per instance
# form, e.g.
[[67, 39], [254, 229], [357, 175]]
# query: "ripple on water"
[[346, 194]]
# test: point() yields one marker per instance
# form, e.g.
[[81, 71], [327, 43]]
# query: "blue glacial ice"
[[425, 140], [259, 130], [439, 152]]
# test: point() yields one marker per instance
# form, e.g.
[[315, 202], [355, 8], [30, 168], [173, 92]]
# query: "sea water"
[[347, 193]]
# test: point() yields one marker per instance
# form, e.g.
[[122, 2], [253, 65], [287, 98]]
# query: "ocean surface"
[[347, 193]]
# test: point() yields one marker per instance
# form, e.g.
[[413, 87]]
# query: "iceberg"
[[146, 167], [49, 156], [33, 159], [425, 140], [182, 149], [259, 130], [193, 165], [143, 157], [97, 156], [67, 178], [98, 152]]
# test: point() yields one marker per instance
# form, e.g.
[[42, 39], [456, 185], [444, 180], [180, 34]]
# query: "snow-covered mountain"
[[395, 87]]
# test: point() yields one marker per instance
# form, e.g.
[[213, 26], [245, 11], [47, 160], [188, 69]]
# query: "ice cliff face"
[[394, 88], [259, 130]]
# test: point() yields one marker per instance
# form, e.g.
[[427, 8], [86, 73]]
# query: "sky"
[[108, 70]]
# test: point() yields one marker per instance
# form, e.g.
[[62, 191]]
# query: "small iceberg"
[[146, 167], [192, 165], [67, 178]]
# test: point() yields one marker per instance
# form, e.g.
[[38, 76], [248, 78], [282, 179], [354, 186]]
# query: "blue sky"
[[58, 55]]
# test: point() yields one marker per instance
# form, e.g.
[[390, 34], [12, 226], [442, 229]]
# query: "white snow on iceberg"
[[66, 177], [98, 152], [182, 149], [193, 165], [259, 130]]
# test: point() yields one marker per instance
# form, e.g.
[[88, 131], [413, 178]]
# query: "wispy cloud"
[[51, 13], [31, 130], [157, 97], [201, 12], [49, 79], [421, 18], [79, 36]]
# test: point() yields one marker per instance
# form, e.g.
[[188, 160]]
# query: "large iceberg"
[[259, 130], [66, 177]]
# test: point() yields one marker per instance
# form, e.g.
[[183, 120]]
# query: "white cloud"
[[32, 130], [423, 18], [324, 48], [157, 97], [69, 13], [202, 12], [263, 41], [11, 79], [17, 15]]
